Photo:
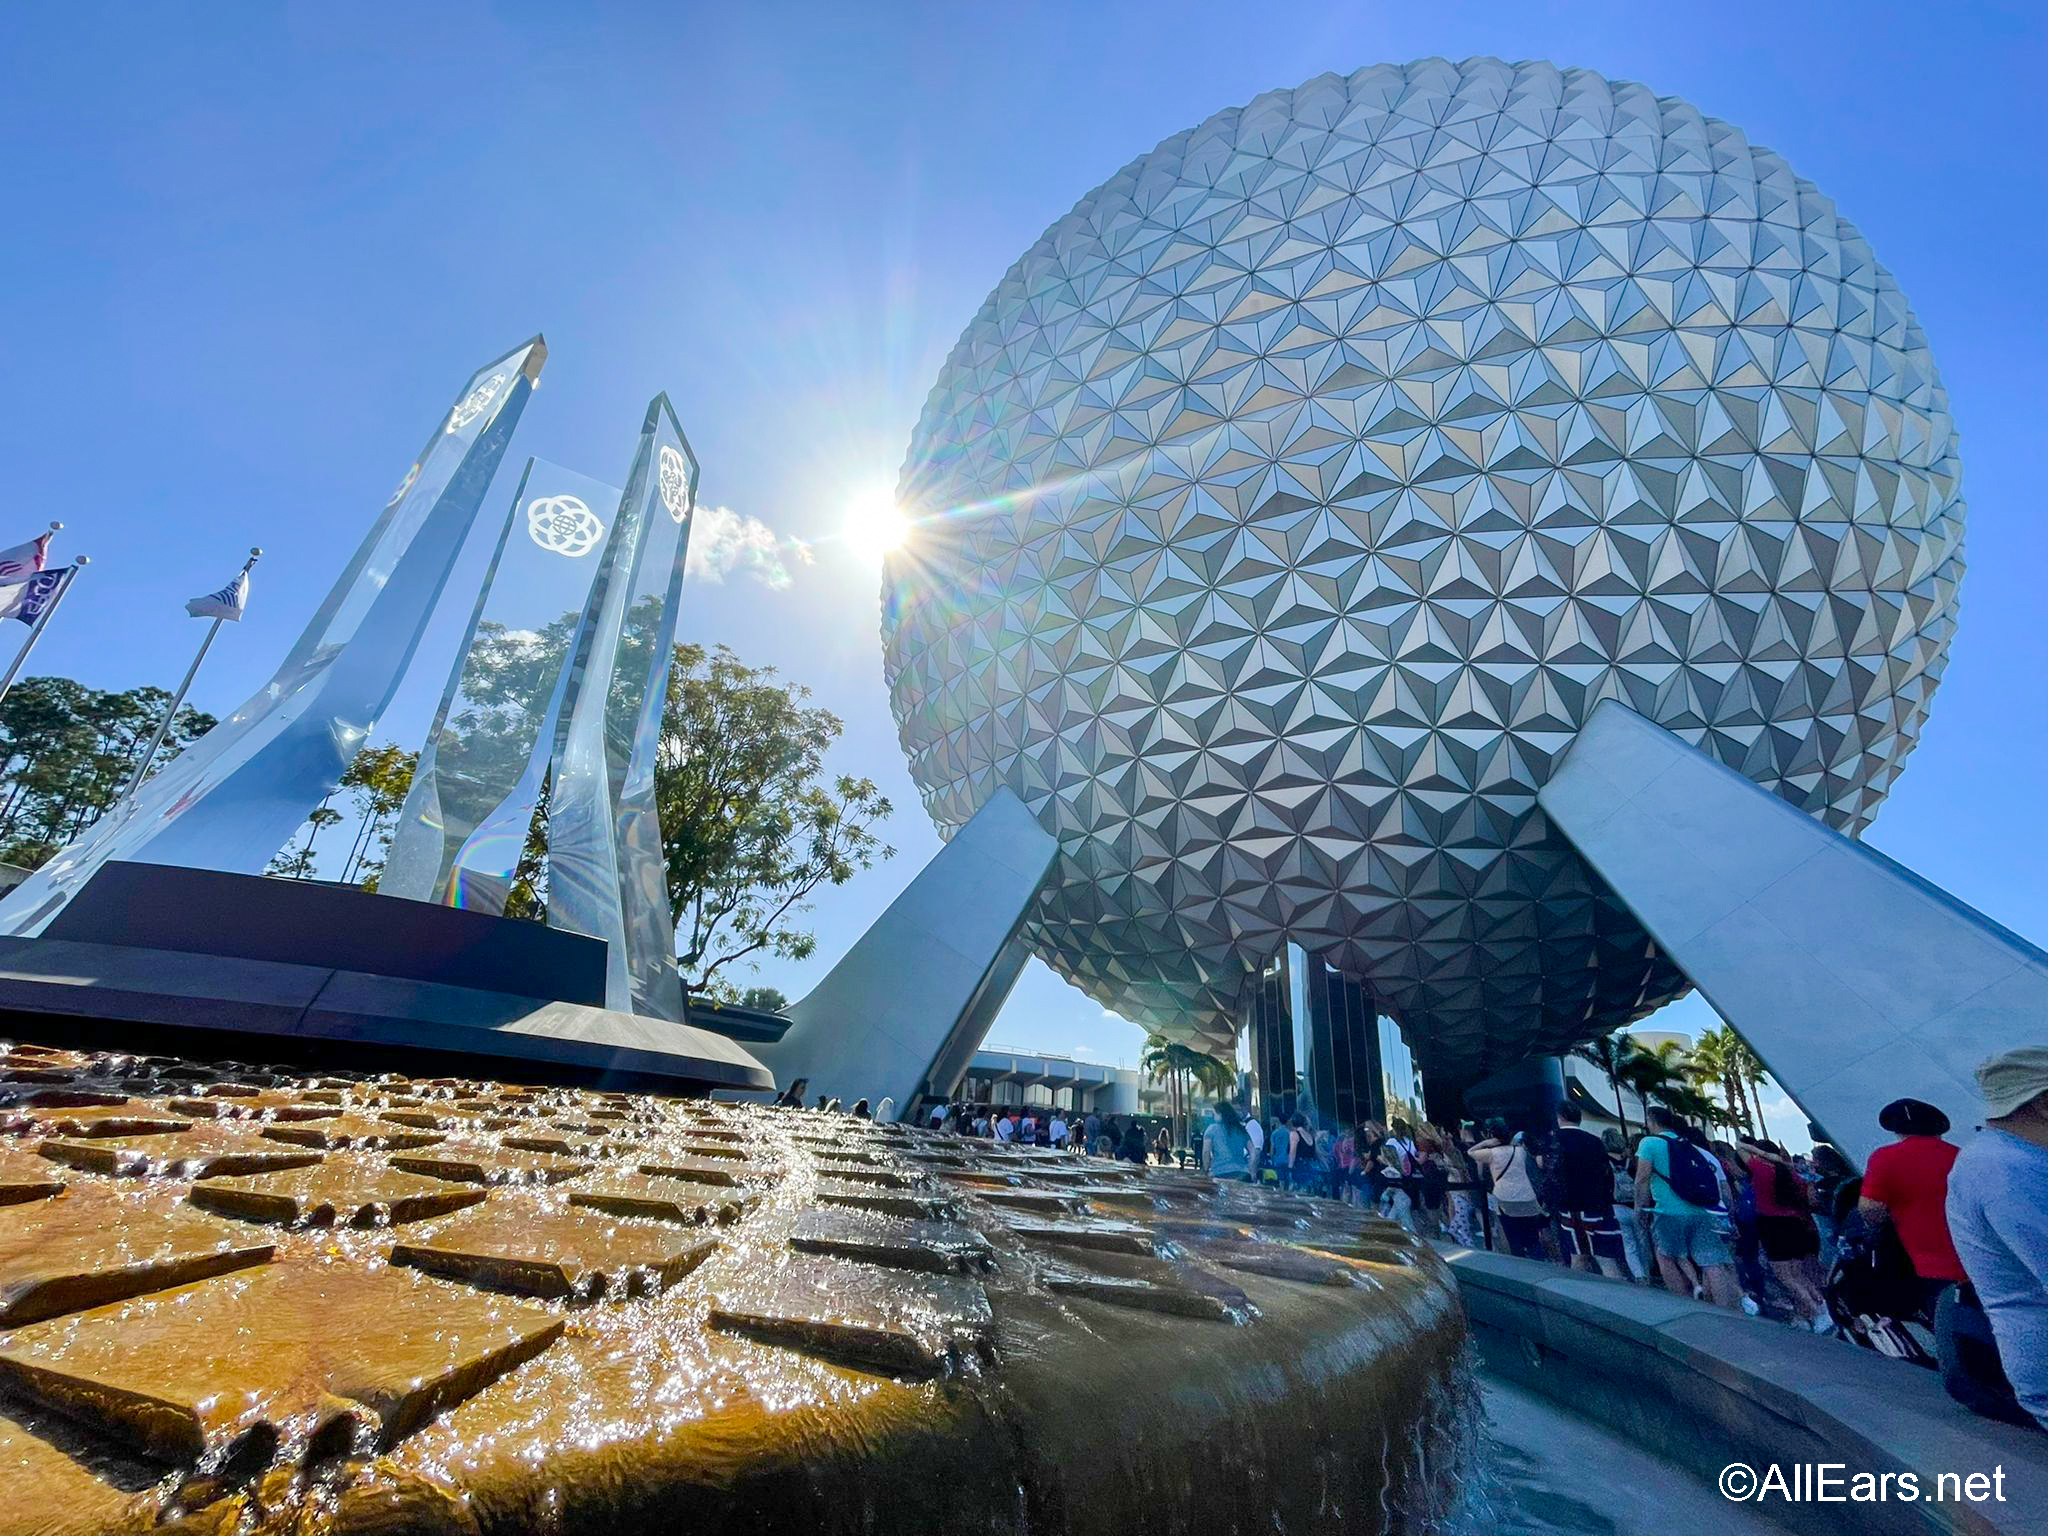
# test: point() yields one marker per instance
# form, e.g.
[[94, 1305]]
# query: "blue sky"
[[251, 250]]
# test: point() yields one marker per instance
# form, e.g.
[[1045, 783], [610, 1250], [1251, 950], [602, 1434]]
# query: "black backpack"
[[1692, 1174]]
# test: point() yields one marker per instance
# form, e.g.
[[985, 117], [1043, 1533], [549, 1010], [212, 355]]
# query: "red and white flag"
[[24, 560]]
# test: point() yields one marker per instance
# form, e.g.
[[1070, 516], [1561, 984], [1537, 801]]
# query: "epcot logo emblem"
[[563, 525], [675, 484], [475, 403]]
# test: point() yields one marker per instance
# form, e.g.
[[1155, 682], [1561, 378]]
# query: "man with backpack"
[[1678, 1196]]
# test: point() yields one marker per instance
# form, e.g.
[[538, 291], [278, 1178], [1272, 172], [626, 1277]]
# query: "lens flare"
[[875, 525]]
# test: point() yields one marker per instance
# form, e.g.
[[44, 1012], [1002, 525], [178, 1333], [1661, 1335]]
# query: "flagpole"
[[35, 630], [163, 728]]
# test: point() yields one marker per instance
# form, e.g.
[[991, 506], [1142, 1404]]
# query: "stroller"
[[1872, 1293]]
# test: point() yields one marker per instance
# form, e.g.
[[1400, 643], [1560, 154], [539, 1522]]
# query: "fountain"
[[244, 1299]]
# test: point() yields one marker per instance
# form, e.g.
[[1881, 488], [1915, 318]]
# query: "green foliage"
[[751, 823], [377, 781], [1183, 1069], [66, 753]]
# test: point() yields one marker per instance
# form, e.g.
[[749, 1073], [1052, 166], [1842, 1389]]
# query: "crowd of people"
[[1929, 1240]]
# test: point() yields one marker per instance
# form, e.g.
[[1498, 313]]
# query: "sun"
[[875, 525]]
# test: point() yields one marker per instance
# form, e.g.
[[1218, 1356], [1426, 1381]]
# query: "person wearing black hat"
[[1906, 1184]]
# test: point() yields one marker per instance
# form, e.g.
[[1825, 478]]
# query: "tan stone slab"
[[1031, 1202], [697, 1146], [201, 1153], [347, 1131], [1144, 1295], [884, 1202], [196, 1369], [564, 1145], [563, 1254], [87, 1249], [708, 1170], [55, 1486], [31, 1097], [858, 1314], [1280, 1261], [335, 1193], [878, 1178], [124, 1120], [25, 1176], [1108, 1236], [465, 1166], [660, 1199], [934, 1247]]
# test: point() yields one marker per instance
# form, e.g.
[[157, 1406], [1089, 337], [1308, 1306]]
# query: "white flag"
[[227, 603], [23, 561]]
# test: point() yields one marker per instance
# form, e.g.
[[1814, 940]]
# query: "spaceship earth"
[[1290, 504]]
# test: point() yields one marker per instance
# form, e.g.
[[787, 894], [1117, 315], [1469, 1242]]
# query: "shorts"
[[1786, 1238], [1701, 1236], [1602, 1236]]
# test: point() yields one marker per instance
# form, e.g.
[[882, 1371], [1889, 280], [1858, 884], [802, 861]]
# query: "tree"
[[1659, 1076], [295, 860], [379, 779], [67, 752], [1749, 1071], [1719, 1060], [1181, 1068], [751, 823], [1608, 1053]]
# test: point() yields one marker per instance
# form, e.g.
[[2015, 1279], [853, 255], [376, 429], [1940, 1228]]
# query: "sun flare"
[[875, 525]]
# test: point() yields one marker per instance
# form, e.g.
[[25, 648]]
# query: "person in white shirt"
[[1006, 1128], [1058, 1131], [1257, 1133]]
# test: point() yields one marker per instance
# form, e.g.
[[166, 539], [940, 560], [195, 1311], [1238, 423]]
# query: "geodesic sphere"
[[1294, 499]]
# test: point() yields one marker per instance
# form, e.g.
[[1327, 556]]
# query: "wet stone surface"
[[88, 1247], [24, 1176], [940, 1247], [913, 1324], [339, 1191], [203, 1152], [660, 1199], [282, 1349], [371, 1303], [566, 1252]]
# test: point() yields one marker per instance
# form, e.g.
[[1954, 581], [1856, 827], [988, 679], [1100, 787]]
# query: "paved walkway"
[[1552, 1473]]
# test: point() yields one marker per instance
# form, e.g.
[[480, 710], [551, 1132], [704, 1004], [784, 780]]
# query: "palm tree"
[[1182, 1068], [1660, 1077], [1749, 1070], [1607, 1053], [1717, 1062]]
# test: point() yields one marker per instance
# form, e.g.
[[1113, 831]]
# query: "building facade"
[[1314, 1041]]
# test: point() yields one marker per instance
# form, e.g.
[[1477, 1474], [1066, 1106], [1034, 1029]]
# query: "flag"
[[29, 600], [227, 603], [24, 560]]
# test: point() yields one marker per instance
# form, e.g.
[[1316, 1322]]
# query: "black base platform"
[[196, 962]]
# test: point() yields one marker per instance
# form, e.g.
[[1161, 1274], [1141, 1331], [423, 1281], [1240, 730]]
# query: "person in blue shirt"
[[1998, 1218], [1679, 1229]]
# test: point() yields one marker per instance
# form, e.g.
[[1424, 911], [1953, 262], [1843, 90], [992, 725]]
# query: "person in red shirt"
[[1906, 1184], [1785, 1229]]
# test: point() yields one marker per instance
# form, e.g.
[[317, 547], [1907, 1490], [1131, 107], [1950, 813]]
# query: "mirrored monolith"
[[464, 826], [607, 876], [232, 799]]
